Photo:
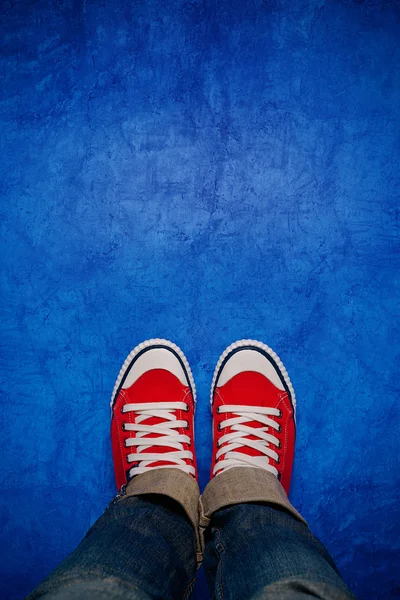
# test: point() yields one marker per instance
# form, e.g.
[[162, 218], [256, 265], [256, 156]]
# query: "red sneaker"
[[152, 408], [253, 405]]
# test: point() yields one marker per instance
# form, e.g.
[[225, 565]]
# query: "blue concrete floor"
[[201, 171]]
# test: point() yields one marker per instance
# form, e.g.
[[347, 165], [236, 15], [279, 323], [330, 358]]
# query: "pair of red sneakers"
[[153, 403]]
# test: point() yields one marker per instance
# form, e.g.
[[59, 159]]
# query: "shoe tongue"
[[156, 449], [151, 421], [158, 385], [252, 451], [250, 388]]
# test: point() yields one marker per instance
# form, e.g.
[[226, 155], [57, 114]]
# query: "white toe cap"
[[155, 358], [249, 360]]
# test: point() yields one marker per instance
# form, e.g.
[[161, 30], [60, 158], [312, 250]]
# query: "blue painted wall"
[[201, 171]]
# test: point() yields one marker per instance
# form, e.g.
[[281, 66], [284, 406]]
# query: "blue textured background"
[[201, 171]]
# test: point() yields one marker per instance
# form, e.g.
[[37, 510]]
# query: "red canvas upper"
[[155, 385], [254, 389]]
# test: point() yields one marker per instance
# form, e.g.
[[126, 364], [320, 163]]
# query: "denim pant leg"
[[143, 547], [257, 547]]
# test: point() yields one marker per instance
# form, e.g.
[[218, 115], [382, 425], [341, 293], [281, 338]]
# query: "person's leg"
[[257, 544], [144, 546], [258, 547]]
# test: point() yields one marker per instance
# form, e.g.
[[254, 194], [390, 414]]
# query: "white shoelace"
[[168, 436], [239, 438]]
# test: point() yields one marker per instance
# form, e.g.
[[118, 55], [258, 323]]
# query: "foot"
[[253, 405], [152, 408]]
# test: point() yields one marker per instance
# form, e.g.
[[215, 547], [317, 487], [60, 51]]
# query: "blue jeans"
[[144, 548]]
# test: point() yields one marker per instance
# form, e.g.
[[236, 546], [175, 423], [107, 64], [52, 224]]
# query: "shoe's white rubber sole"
[[147, 344], [254, 343]]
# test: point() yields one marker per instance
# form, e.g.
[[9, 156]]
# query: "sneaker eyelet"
[[122, 410], [187, 426], [280, 429], [187, 408], [218, 411], [123, 426], [125, 444], [219, 427], [278, 460], [280, 414], [279, 446]]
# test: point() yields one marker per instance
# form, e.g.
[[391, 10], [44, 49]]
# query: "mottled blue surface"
[[201, 171]]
